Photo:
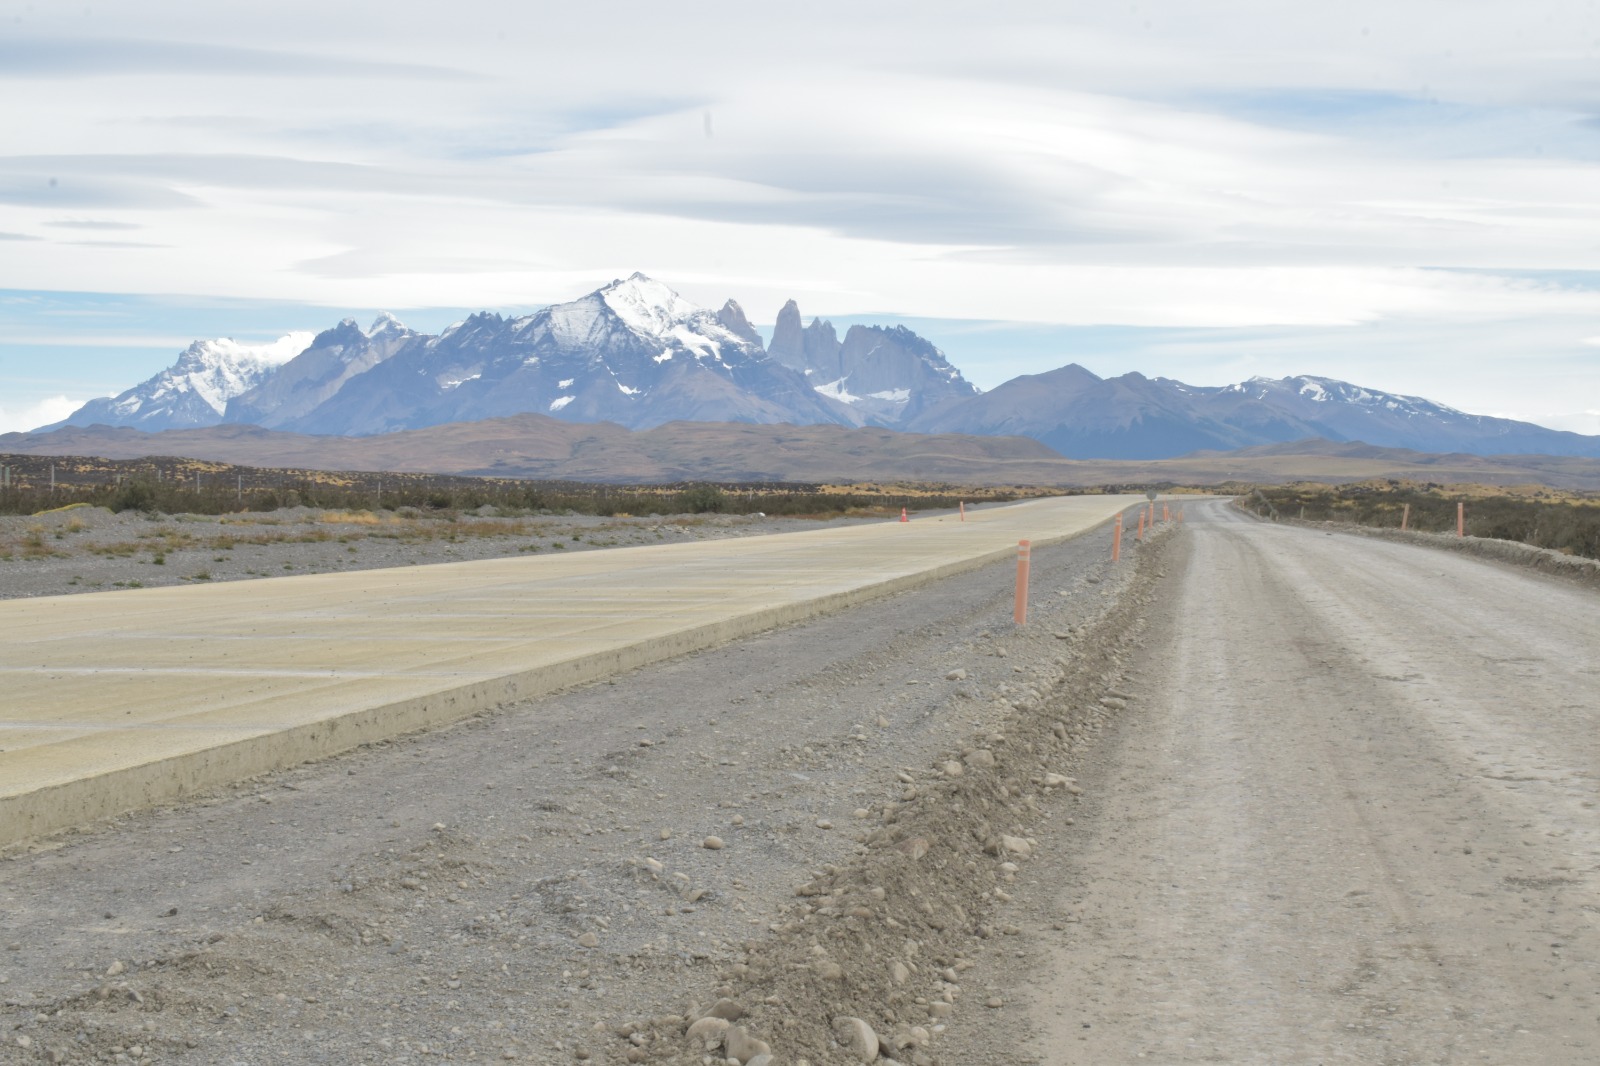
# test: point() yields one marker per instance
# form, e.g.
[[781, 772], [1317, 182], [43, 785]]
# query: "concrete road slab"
[[120, 700]]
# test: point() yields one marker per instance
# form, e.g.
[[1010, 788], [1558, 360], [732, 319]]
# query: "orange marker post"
[[1461, 519], [963, 505], [1140, 535], [1166, 513], [1024, 551], [1116, 541]]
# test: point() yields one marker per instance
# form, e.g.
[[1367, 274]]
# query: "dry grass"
[[356, 518]]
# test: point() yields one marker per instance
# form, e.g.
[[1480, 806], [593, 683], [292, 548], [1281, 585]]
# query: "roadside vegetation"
[[1545, 518], [36, 484]]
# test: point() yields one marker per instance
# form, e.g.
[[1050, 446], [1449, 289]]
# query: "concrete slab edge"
[[75, 804]]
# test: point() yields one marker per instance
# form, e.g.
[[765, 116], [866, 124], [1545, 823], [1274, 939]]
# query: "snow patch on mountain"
[[835, 390], [195, 390], [645, 305]]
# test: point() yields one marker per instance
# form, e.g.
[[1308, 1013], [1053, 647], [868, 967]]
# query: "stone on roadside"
[[740, 1045], [982, 758], [708, 1033], [828, 970], [116, 968], [857, 1037], [588, 940], [916, 847], [712, 843], [1015, 846], [952, 769], [900, 973], [958, 674], [725, 1009]]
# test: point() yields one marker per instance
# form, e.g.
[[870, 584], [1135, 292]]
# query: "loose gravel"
[[797, 848]]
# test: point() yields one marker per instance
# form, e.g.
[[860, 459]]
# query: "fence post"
[[1405, 518], [1116, 540], [1020, 613], [1461, 519]]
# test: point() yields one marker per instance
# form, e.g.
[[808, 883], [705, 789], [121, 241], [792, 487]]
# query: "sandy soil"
[[813, 825]]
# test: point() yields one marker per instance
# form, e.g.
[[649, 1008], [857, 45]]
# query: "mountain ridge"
[[637, 353]]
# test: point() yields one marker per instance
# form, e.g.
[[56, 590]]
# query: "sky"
[[1404, 194]]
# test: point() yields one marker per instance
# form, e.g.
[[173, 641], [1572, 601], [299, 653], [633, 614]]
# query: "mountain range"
[[638, 354]]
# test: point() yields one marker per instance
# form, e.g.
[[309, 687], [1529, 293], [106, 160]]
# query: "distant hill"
[[538, 446]]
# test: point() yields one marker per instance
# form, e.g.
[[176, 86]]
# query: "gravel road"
[[810, 825], [1350, 817], [1259, 794]]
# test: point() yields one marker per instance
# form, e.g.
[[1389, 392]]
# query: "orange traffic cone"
[[903, 517]]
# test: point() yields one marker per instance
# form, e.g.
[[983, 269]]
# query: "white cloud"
[[40, 413], [1233, 164], [1575, 422]]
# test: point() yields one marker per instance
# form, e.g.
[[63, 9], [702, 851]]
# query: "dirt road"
[[1350, 817], [564, 880], [1258, 795]]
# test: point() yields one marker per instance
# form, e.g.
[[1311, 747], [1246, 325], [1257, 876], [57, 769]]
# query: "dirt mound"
[[868, 961]]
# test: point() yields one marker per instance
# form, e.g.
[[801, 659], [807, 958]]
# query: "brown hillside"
[[536, 446]]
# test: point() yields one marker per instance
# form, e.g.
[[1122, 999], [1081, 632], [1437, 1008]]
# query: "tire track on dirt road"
[[1349, 818]]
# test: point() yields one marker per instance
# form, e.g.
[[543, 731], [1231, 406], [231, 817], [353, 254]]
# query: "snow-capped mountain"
[[318, 372], [637, 353], [634, 352], [195, 390], [887, 374], [1083, 416]]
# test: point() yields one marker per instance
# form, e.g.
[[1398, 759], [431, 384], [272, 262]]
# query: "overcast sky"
[[1404, 194]]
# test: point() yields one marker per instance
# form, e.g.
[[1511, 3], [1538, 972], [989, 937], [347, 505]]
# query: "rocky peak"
[[732, 318], [813, 350]]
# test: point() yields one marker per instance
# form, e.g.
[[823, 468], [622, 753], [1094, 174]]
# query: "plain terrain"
[[90, 549], [536, 446]]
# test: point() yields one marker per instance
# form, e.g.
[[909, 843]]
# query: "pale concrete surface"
[[116, 701]]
